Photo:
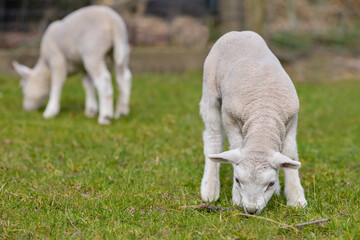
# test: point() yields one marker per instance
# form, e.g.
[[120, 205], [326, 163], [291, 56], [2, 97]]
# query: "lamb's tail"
[[120, 40]]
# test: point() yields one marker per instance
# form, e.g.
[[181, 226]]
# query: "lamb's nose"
[[250, 210]]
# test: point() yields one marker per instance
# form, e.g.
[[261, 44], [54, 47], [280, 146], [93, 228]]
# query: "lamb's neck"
[[263, 133], [42, 68]]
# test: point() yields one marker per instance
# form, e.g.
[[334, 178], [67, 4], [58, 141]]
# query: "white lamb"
[[80, 41], [246, 91]]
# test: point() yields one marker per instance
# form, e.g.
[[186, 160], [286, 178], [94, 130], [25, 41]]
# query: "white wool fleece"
[[81, 41], [247, 92]]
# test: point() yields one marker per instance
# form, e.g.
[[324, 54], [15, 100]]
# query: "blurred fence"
[[30, 15], [149, 21], [153, 22]]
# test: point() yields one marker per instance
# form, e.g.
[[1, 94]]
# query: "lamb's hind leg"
[[123, 79], [294, 192], [91, 106], [213, 137], [101, 77]]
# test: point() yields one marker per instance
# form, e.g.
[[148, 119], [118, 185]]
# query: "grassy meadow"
[[70, 178]]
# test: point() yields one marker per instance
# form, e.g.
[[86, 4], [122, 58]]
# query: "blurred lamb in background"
[[80, 41]]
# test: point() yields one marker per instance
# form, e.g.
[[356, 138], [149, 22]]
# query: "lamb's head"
[[34, 85], [256, 175]]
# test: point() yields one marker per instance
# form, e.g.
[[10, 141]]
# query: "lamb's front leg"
[[91, 107], [58, 76], [233, 131], [210, 183], [213, 137], [294, 192]]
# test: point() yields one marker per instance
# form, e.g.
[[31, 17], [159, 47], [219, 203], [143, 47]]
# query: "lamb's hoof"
[[210, 191], [50, 113], [104, 120], [121, 111], [90, 113], [119, 114], [301, 202]]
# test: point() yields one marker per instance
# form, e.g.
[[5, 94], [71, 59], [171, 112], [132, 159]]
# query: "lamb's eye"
[[237, 180], [270, 185]]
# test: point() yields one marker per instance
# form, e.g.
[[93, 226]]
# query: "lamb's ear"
[[231, 156], [279, 160], [22, 70]]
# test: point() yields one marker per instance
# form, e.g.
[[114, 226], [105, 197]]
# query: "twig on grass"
[[306, 223], [264, 218], [210, 208]]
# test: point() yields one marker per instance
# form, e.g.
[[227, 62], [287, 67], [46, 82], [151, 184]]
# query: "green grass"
[[68, 177]]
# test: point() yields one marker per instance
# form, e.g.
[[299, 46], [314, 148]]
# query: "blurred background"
[[316, 40]]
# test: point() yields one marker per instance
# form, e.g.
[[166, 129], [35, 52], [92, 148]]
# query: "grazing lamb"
[[80, 41], [246, 91]]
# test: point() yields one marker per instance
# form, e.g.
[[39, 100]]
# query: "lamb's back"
[[85, 30], [251, 80]]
